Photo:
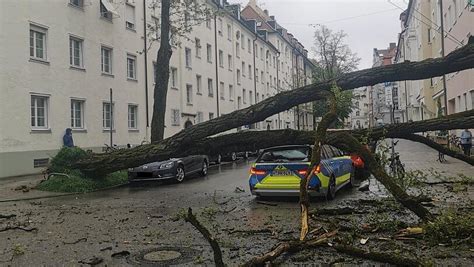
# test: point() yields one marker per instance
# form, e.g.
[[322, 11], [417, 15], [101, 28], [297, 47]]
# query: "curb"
[[63, 194]]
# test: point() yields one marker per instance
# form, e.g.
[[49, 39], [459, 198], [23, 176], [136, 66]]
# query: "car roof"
[[285, 147]]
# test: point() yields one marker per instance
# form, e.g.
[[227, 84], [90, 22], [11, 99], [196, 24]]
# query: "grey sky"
[[364, 32]]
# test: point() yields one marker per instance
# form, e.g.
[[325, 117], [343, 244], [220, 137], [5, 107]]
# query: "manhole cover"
[[164, 256]]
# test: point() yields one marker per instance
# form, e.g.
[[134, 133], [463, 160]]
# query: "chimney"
[[393, 46], [266, 12]]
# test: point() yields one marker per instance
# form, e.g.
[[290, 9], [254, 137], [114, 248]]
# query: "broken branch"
[[203, 230]]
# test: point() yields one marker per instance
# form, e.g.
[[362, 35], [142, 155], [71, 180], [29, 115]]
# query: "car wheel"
[[352, 178], [233, 156], [180, 174], [204, 168], [331, 188], [219, 159]]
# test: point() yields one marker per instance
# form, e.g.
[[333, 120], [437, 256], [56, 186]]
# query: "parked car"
[[278, 171], [175, 168]]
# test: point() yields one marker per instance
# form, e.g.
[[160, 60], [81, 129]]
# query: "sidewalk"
[[16, 188]]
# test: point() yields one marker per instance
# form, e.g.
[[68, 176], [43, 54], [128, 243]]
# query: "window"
[[256, 75], [132, 116], [210, 88], [174, 78], [208, 23], [189, 94], [229, 32], [175, 117], [130, 17], [39, 112], [187, 52], [37, 42], [219, 25], [186, 19], [249, 47], [250, 72], [250, 97], [229, 61], [198, 84], [131, 67], [243, 68], [209, 53], [197, 43], [104, 12], [77, 114], [256, 50], [237, 50], [211, 115], [199, 117], [231, 92], [106, 60], [75, 52], [238, 76], [261, 76], [244, 96], [242, 38], [221, 85], [107, 115], [77, 3], [221, 59]]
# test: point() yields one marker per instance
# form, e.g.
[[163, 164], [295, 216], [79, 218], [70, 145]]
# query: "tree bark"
[[162, 75], [348, 143], [254, 140], [458, 60], [320, 139]]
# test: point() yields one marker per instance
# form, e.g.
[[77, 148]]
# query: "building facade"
[[359, 117], [421, 38], [63, 68]]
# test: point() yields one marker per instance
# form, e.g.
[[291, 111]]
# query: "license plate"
[[282, 173]]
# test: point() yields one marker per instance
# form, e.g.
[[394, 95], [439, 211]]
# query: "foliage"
[[184, 15], [343, 104], [60, 162], [78, 183], [333, 56], [450, 228]]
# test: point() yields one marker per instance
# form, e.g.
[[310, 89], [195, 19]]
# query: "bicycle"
[[395, 165], [108, 149]]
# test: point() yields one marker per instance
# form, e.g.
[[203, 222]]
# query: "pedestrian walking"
[[466, 142]]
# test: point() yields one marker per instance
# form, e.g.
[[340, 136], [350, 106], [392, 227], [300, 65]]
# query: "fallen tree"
[[100, 164]]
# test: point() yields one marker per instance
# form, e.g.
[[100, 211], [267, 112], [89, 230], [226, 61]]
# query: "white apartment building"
[[62, 67]]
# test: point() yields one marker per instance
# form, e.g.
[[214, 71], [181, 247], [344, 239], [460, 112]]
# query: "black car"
[[176, 168]]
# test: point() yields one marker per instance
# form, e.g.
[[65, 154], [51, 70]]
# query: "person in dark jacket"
[[67, 138]]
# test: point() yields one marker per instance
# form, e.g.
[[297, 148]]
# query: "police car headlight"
[[167, 165]]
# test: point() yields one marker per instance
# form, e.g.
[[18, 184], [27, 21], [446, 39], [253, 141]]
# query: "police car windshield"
[[285, 155]]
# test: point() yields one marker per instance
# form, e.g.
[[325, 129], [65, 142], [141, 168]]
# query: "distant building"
[[359, 117], [384, 97]]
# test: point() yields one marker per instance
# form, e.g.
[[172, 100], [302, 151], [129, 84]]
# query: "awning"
[[108, 5]]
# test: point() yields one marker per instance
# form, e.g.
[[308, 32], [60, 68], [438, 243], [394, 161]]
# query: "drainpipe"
[[255, 70], [216, 60], [278, 84], [146, 67], [442, 54]]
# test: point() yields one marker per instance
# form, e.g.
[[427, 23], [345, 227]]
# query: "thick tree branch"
[[458, 60]]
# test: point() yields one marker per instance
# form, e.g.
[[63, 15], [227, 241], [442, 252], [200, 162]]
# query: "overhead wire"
[[437, 28]]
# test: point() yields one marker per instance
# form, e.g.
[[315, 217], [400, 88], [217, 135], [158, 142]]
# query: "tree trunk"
[[251, 141], [161, 76], [460, 59], [320, 139]]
